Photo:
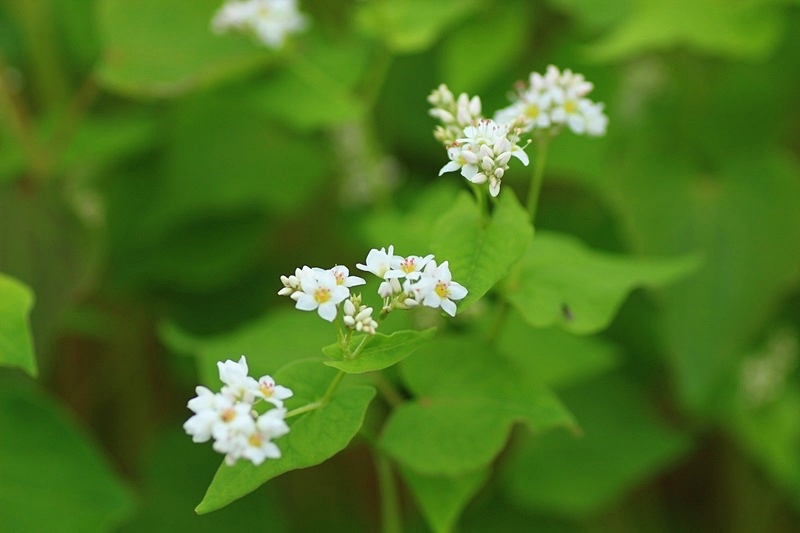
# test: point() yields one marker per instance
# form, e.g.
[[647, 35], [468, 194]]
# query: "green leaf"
[[743, 30], [565, 284], [622, 445], [52, 477], [381, 351], [167, 47], [269, 343], [314, 437], [442, 499], [481, 254], [16, 345], [468, 399], [468, 64], [552, 355], [409, 26]]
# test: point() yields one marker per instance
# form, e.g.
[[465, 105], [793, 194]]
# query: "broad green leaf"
[[468, 397], [552, 355], [622, 445], [16, 345], [381, 351], [409, 26], [314, 89], [52, 477], [442, 499], [742, 30], [743, 220], [269, 343], [167, 47], [481, 252], [467, 63], [594, 14], [565, 284], [173, 478], [314, 437]]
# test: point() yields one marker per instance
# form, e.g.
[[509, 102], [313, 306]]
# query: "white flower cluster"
[[483, 153], [550, 101], [425, 283], [228, 416], [455, 114], [269, 21], [324, 290]]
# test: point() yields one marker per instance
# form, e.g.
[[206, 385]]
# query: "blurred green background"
[[157, 179]]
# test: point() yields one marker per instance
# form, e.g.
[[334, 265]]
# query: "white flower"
[[343, 277], [408, 267], [378, 261], [274, 394], [321, 291], [553, 100], [454, 114], [238, 385], [206, 406], [436, 288], [483, 153], [270, 21]]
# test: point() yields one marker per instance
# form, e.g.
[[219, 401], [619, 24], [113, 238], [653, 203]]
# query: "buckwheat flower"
[[232, 422], [206, 406], [408, 267], [378, 261], [436, 288], [238, 385], [453, 113], [321, 291], [462, 158], [390, 287], [269, 21], [291, 284], [274, 394], [258, 445], [343, 277]]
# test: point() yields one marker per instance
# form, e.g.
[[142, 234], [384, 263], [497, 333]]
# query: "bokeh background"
[[156, 179]]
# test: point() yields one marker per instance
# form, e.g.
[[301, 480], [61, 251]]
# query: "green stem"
[[18, 119], [332, 387], [304, 409], [537, 177], [388, 391], [360, 346], [390, 509]]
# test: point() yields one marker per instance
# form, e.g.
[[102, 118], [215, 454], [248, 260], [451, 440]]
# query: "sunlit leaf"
[[167, 47], [381, 351], [480, 251], [16, 345], [314, 437], [564, 283]]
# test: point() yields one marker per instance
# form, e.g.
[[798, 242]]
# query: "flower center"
[[266, 389], [228, 414], [532, 111], [570, 107], [408, 265], [322, 295], [339, 277], [255, 440], [442, 289]]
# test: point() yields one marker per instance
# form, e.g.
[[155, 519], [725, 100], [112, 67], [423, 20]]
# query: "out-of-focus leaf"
[[481, 251], [16, 345], [552, 355], [742, 30], [314, 437], [167, 47], [744, 221], [467, 399], [565, 284], [595, 14], [176, 472], [316, 88], [468, 63], [408, 26], [382, 351], [442, 499], [622, 445], [52, 478], [269, 343]]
